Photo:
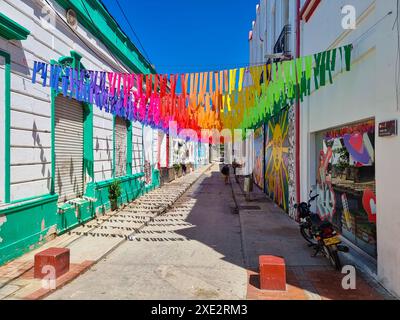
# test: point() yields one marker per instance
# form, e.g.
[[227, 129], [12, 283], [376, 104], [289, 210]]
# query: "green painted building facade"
[[31, 208]]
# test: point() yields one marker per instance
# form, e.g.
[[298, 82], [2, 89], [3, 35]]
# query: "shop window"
[[346, 182]]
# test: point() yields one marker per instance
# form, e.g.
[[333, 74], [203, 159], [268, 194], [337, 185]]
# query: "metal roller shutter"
[[137, 148], [120, 147], [68, 148]]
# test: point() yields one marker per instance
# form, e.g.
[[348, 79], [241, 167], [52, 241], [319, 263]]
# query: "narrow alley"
[[201, 249], [193, 251], [199, 150]]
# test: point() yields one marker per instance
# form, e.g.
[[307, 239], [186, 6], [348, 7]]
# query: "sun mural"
[[276, 159], [259, 155]]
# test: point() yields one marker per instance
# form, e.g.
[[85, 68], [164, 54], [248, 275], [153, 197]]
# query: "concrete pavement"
[[92, 241], [193, 251], [267, 230], [204, 246]]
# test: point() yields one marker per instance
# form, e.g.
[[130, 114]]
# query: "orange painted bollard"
[[55, 261], [272, 273]]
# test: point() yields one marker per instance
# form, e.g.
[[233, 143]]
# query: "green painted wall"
[[24, 226]]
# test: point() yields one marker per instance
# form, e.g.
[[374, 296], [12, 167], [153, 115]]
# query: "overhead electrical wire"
[[133, 31]]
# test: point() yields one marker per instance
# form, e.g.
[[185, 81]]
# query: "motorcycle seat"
[[316, 220]]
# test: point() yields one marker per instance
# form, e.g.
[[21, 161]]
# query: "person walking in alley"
[[225, 171]]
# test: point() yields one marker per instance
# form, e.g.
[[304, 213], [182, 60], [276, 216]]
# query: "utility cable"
[[133, 31]]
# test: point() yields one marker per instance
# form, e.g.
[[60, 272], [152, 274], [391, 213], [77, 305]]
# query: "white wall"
[[368, 91]]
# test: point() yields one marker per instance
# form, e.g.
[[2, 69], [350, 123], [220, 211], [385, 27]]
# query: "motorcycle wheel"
[[333, 257], [306, 233]]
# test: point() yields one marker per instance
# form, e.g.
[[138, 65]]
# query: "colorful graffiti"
[[277, 160], [326, 202], [346, 183], [369, 204], [259, 157]]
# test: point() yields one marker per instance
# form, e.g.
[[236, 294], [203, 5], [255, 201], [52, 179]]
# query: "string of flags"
[[242, 98]]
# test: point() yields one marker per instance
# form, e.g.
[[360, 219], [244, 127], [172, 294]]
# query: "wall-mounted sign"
[[388, 128]]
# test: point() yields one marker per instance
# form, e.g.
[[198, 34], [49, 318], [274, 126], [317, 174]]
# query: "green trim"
[[7, 129], [53, 140], [129, 148], [142, 148], [28, 204], [29, 198], [113, 164], [10, 30], [88, 154], [88, 157], [105, 183], [94, 17]]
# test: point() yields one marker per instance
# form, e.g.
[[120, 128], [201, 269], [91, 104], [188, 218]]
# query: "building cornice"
[[11, 30]]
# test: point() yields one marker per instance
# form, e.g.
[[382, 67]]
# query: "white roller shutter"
[[120, 147], [137, 148], [68, 148]]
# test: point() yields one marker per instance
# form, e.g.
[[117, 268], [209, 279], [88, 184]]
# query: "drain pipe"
[[297, 120]]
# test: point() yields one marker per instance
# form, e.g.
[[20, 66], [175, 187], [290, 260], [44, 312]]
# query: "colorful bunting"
[[232, 99]]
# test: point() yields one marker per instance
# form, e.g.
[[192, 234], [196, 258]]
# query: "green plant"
[[114, 192], [344, 159], [177, 166]]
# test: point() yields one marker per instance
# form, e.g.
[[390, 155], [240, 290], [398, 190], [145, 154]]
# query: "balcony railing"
[[282, 45]]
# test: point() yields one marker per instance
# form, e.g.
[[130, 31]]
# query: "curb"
[[242, 232]]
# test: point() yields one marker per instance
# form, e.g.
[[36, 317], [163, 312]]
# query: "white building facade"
[[58, 155], [344, 157], [273, 38]]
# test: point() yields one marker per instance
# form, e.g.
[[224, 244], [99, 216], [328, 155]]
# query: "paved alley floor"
[[195, 238], [203, 249], [193, 251]]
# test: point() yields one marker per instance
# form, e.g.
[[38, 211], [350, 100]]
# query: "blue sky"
[[189, 35]]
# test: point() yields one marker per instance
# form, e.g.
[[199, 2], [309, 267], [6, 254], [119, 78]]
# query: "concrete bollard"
[[56, 258], [272, 273]]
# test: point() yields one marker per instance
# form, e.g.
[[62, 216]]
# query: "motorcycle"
[[321, 235]]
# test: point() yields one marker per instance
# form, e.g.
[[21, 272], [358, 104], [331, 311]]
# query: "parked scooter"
[[321, 235]]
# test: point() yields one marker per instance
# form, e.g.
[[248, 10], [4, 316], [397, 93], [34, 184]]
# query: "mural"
[[292, 163], [326, 201], [279, 160], [259, 157], [346, 182]]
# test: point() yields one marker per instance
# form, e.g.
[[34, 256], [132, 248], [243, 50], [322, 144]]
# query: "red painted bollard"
[[272, 273], [56, 260]]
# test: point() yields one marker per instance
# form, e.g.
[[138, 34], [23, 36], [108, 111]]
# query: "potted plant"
[[177, 167], [114, 192]]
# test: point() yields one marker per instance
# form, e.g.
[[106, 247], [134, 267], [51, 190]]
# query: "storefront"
[[345, 174]]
